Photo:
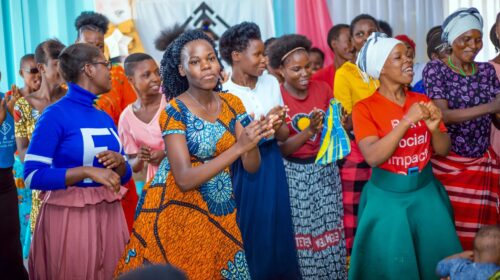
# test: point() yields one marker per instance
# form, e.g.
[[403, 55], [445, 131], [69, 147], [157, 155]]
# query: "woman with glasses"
[[16, 104], [77, 161], [91, 27]]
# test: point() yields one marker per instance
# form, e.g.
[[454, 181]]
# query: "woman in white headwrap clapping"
[[405, 223], [467, 92]]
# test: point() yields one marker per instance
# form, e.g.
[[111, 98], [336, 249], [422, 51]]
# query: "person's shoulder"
[[173, 105], [55, 112], [369, 101], [435, 64], [22, 101], [230, 98], [485, 66], [268, 78], [347, 67], [320, 86], [417, 96], [324, 71]]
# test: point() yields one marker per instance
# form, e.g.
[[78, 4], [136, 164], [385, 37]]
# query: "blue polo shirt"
[[7, 141]]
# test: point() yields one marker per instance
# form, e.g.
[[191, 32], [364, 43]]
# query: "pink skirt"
[[80, 234]]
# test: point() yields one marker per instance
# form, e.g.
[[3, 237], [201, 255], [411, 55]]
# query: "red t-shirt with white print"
[[318, 95], [377, 116]]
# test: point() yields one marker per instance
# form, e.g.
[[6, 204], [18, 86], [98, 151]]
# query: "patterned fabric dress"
[[471, 171], [315, 194], [25, 118], [195, 231]]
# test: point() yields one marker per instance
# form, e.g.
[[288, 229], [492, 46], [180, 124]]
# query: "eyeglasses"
[[106, 63], [31, 70]]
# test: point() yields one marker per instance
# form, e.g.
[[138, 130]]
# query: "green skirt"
[[405, 227]]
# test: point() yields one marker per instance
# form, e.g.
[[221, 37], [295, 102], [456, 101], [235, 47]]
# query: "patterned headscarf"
[[374, 53], [460, 22]]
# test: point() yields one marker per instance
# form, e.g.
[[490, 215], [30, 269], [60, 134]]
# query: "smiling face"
[[398, 66], [30, 74], [252, 60], [199, 64], [467, 45], [297, 70], [146, 78]]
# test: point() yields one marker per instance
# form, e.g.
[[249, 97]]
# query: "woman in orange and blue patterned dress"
[[186, 215]]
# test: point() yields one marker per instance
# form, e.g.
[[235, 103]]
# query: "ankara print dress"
[[196, 230]]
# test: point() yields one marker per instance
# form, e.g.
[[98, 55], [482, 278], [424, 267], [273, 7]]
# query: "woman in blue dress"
[[262, 198]]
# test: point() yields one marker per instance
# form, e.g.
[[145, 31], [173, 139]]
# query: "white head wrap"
[[460, 22], [374, 53]]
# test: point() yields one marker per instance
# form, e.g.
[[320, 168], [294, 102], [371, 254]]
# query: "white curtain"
[[151, 16], [415, 17], [411, 17]]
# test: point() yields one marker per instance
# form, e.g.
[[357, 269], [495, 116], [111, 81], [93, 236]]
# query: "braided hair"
[[173, 84]]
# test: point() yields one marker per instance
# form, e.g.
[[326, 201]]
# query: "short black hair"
[[93, 21], [173, 84], [73, 58], [438, 29], [283, 45], [433, 40], [362, 17], [318, 51], [132, 60], [334, 33], [237, 38], [49, 49], [25, 58], [385, 27], [167, 36], [494, 38]]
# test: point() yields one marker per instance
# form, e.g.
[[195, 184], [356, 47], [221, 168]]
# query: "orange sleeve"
[[128, 95], [171, 120], [363, 122], [236, 105]]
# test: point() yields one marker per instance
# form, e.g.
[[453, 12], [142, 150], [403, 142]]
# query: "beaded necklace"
[[460, 70]]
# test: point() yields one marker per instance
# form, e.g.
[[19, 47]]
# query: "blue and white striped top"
[[69, 134]]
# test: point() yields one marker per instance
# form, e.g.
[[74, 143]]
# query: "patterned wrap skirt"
[[473, 185], [316, 206]]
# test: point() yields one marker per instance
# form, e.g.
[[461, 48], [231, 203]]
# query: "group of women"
[[234, 190]]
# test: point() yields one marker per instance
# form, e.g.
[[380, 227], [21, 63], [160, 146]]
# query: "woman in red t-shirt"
[[405, 222], [315, 190]]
